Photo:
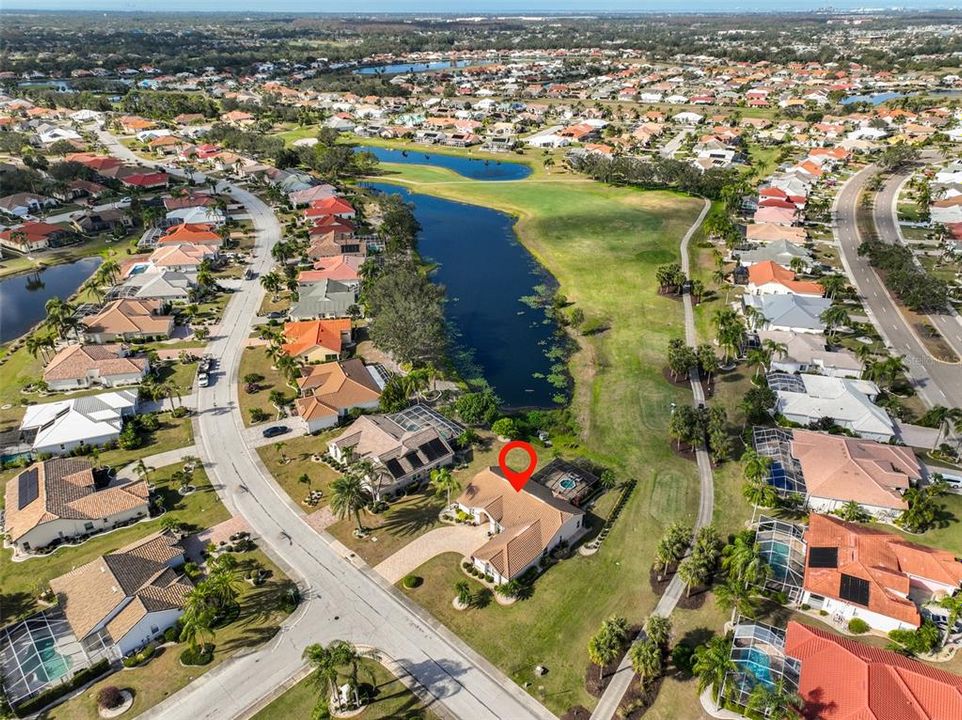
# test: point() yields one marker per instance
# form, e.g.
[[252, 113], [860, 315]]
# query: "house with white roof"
[[794, 313], [61, 426], [806, 399]]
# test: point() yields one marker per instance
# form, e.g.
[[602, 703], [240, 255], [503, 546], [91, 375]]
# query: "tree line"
[[655, 172]]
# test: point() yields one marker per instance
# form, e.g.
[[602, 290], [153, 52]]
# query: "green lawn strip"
[[103, 244], [171, 434], [21, 581], [393, 701], [259, 621], [288, 460], [255, 360], [603, 245]]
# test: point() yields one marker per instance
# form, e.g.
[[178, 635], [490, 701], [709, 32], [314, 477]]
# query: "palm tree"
[[109, 270], [348, 497], [327, 661], [168, 390], [952, 603], [835, 317], [142, 470], [197, 622], [463, 591], [646, 660], [743, 561], [833, 285], [444, 483], [39, 344], [712, 663], [775, 702], [755, 466], [758, 357], [735, 596], [658, 630], [602, 652], [692, 573], [272, 284]]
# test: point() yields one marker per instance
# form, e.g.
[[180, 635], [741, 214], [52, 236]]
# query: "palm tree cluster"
[[763, 355], [775, 702], [606, 645], [104, 278], [923, 509], [327, 662], [673, 545], [746, 572], [694, 426], [700, 565], [757, 490], [648, 655], [211, 600], [885, 371], [61, 317], [670, 277], [729, 332], [712, 663]]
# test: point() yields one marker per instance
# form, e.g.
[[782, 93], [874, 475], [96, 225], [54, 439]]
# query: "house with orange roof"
[[32, 236], [331, 390], [523, 526], [66, 498], [192, 234], [843, 679], [333, 206], [317, 341], [853, 570], [85, 366], [237, 117], [132, 124], [770, 278], [128, 319], [183, 257], [344, 269]]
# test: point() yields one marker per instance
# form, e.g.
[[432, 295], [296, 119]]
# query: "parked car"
[[203, 380], [275, 430]]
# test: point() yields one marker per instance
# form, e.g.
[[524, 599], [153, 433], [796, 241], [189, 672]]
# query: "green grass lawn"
[[393, 701], [21, 580], [103, 244], [172, 433], [603, 245], [256, 360], [258, 622], [289, 459]]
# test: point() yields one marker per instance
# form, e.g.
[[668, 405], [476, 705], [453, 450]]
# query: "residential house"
[[331, 390], [807, 399], [779, 251], [808, 353], [317, 341], [343, 269], [844, 679], [793, 313], [30, 237], [323, 299], [401, 457], [523, 526], [128, 319], [126, 599], [84, 366], [311, 194], [770, 278], [60, 499], [24, 203], [858, 571], [771, 232], [61, 426], [192, 233]]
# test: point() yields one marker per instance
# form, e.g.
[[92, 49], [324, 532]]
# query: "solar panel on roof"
[[854, 590], [414, 459], [394, 467], [823, 557], [28, 488], [434, 449]]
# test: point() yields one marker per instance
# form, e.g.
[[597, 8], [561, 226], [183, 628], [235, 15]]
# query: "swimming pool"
[[55, 665], [568, 483], [777, 558], [757, 664]]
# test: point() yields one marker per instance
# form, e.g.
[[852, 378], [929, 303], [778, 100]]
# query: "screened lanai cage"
[[758, 653], [41, 652], [785, 473], [782, 547]]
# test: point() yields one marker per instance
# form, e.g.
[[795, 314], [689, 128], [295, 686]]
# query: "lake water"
[[474, 168], [876, 99], [22, 298], [398, 68], [486, 271]]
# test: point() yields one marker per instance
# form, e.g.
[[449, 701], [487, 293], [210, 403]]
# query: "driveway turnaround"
[[463, 539], [343, 598]]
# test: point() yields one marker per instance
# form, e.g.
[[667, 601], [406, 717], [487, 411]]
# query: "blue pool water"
[[474, 168], [778, 560], [757, 664], [777, 476]]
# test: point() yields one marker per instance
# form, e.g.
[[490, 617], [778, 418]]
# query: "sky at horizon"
[[460, 7]]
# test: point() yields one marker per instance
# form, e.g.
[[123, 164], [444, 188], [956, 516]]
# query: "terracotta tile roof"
[[307, 335], [75, 361], [193, 233], [771, 272], [65, 488], [130, 316], [844, 468], [334, 388], [767, 232], [843, 679], [530, 519], [185, 254], [343, 268], [884, 560], [138, 574]]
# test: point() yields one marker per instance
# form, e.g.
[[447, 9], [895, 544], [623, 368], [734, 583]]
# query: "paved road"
[[937, 383], [344, 599], [887, 224], [620, 681]]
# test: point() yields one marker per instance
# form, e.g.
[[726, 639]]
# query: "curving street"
[[937, 383], [343, 598]]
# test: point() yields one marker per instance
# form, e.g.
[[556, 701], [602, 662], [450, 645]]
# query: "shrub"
[[466, 565], [258, 415], [488, 578], [109, 697], [505, 427], [411, 581], [858, 626], [683, 658], [171, 634], [200, 655]]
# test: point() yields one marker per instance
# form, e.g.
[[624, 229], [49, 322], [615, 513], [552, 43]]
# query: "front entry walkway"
[[462, 539]]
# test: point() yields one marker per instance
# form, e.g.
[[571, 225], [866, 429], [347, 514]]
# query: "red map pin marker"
[[518, 479]]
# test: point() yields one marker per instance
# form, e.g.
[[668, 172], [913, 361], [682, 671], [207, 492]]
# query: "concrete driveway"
[[462, 539]]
